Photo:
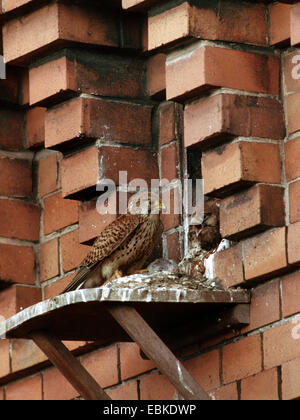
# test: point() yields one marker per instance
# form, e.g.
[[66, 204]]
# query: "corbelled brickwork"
[[147, 86]]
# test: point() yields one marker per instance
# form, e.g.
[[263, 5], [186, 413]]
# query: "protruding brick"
[[47, 175], [15, 177], [281, 343], [24, 38], [225, 21], [12, 135], [4, 358], [35, 126], [242, 358], [240, 165], [157, 75], [205, 67], [252, 211], [263, 386], [72, 251], [293, 107], [138, 5], [17, 298], [292, 150], [291, 71], [76, 72], [23, 270], [294, 197], [107, 161], [228, 266], [224, 116], [295, 30], [25, 389], [82, 119], [280, 24], [290, 294], [59, 213], [265, 305], [25, 354], [293, 243], [290, 372], [265, 255], [49, 263], [19, 219]]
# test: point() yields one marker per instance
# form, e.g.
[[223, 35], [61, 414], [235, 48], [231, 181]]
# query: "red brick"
[[223, 116], [111, 121], [167, 122], [295, 31], [263, 386], [4, 358], [293, 107], [156, 387], [265, 305], [242, 358], [228, 266], [49, 264], [240, 164], [245, 24], [281, 343], [170, 166], [293, 243], [59, 213], [14, 4], [205, 369], [174, 247], [56, 287], [124, 392], [171, 219], [294, 190], [47, 181], [292, 150], [290, 293], [102, 365], [19, 219], [108, 161], [15, 177], [291, 71], [72, 252], [265, 254], [225, 393], [56, 386], [10, 87], [157, 75], [17, 298], [25, 354], [12, 134], [204, 67], [280, 24], [252, 211], [25, 389], [25, 37], [23, 271], [35, 126], [138, 5], [131, 361], [85, 72], [290, 379]]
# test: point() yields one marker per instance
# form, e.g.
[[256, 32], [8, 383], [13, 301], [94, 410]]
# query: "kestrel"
[[123, 247]]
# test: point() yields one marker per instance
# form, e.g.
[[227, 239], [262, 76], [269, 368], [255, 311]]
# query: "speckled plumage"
[[124, 245]]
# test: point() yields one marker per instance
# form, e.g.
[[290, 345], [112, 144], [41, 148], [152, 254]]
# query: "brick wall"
[[142, 86]]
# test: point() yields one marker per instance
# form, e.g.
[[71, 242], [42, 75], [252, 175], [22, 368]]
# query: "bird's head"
[[145, 203]]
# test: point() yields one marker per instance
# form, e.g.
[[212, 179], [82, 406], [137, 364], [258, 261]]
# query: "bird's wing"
[[111, 238], [106, 243]]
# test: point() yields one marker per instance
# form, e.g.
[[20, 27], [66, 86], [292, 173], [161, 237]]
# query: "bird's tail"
[[78, 280]]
